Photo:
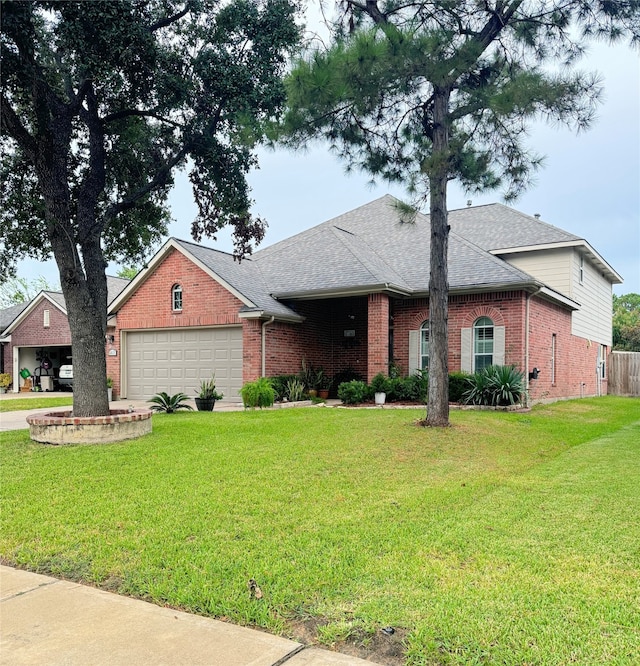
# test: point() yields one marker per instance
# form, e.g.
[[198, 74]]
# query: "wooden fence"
[[624, 373]]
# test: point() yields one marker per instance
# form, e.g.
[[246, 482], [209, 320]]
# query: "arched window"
[[176, 297], [424, 346], [482, 343]]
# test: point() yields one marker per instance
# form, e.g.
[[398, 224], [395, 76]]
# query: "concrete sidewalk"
[[44, 620]]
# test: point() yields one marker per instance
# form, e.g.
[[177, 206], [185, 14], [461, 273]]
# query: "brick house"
[[353, 294], [36, 334]]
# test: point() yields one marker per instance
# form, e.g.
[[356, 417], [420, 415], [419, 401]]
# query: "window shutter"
[[414, 352], [466, 349], [498, 345]]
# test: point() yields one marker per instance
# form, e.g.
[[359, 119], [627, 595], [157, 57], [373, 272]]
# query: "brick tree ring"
[[63, 428]]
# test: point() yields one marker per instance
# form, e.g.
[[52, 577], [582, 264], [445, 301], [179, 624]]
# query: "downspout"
[[526, 342], [264, 345]]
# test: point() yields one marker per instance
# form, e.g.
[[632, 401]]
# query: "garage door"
[[176, 360]]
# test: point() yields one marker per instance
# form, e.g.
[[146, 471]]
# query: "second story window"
[[176, 297]]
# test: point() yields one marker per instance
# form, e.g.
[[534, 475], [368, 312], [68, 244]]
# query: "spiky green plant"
[[163, 402]]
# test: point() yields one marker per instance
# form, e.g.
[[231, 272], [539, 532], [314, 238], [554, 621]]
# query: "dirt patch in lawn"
[[385, 647]]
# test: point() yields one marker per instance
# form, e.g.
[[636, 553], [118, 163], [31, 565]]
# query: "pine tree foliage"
[[426, 92]]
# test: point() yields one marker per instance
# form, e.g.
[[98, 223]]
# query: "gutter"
[[264, 345]]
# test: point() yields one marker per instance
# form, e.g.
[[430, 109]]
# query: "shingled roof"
[[372, 247]]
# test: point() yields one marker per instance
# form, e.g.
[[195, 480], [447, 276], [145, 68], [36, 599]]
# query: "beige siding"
[[553, 267], [594, 318], [560, 270]]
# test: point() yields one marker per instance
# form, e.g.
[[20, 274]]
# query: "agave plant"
[[163, 402]]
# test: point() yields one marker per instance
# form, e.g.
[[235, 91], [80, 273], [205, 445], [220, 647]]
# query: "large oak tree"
[[101, 102], [424, 92]]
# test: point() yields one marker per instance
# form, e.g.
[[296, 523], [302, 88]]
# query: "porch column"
[[377, 335], [251, 350]]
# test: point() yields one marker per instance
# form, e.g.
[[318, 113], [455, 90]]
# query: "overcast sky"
[[590, 185]]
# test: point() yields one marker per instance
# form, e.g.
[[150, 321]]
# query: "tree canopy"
[[16, 290], [426, 92], [626, 322], [101, 102]]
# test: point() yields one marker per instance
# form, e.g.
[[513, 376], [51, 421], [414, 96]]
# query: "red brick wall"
[[32, 333], [204, 303], [320, 338], [576, 358], [504, 308]]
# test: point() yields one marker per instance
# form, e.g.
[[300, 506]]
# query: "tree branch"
[[16, 130], [126, 113], [160, 178], [163, 23]]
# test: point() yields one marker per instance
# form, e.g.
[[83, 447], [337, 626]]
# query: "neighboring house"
[[352, 294], [38, 331]]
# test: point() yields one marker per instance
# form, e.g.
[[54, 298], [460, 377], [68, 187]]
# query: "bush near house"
[[259, 393], [496, 386]]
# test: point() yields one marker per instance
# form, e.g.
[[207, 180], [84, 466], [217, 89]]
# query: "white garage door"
[[178, 359]]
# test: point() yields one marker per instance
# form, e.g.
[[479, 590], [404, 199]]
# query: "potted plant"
[[110, 388], [325, 386], [5, 382], [207, 395], [380, 386]]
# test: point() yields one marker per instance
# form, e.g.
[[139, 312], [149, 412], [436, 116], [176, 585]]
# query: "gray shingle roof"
[[245, 277], [7, 315], [495, 227], [371, 246]]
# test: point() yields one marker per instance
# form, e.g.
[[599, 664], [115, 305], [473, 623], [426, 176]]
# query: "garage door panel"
[[177, 360]]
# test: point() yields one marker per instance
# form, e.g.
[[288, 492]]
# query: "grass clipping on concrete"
[[509, 538]]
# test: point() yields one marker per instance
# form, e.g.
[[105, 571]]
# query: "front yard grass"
[[509, 538], [22, 404]]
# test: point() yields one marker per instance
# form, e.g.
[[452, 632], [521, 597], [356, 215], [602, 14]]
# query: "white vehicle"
[[65, 378]]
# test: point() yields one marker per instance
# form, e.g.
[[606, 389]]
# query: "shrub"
[[410, 389], [496, 385], [280, 384], [353, 392], [380, 383], [458, 384], [258, 394], [163, 402]]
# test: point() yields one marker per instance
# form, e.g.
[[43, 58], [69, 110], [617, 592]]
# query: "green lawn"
[[21, 404], [506, 539]]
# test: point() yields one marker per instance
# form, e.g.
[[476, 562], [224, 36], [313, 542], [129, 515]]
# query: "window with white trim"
[[176, 297], [424, 346], [46, 318], [602, 361], [482, 343], [553, 358]]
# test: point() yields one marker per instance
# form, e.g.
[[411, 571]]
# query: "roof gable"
[[54, 297]]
